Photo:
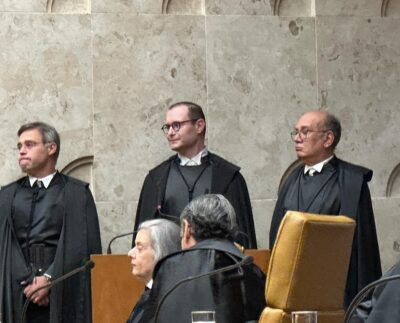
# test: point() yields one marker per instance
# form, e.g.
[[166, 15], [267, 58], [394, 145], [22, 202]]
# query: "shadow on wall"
[[68, 6], [179, 7], [393, 185], [81, 168]]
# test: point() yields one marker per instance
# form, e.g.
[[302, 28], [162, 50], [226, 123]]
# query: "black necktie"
[[138, 309], [37, 185]]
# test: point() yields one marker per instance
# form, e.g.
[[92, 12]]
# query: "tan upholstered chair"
[[308, 267]]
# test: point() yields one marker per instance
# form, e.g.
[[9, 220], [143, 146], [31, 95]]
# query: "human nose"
[[297, 137], [171, 131], [22, 150], [131, 253]]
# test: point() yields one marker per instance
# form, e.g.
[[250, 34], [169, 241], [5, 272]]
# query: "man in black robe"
[[236, 295], [48, 227], [384, 305], [194, 171], [324, 184]]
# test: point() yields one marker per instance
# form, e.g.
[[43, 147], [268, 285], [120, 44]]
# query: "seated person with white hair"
[[208, 225], [155, 239]]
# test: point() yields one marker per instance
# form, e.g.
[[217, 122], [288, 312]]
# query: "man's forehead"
[[180, 112], [30, 134], [310, 119]]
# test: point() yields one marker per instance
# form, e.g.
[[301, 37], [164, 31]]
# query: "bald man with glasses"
[[324, 184], [191, 172]]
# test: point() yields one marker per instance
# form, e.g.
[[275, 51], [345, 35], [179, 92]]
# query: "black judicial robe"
[[355, 202], [226, 179], [137, 311], [384, 305], [236, 296], [80, 237]]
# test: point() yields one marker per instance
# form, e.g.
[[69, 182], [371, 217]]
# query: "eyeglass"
[[176, 126], [28, 144], [303, 133]]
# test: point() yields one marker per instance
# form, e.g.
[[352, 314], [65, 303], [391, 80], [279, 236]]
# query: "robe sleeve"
[[147, 203], [238, 195], [368, 254], [365, 265], [93, 228]]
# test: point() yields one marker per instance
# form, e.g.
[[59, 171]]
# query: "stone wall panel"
[[116, 218], [23, 6], [70, 6], [45, 74], [387, 214], [183, 7], [127, 6], [261, 75], [238, 7], [358, 61], [363, 8], [297, 8], [142, 64], [263, 210], [392, 9]]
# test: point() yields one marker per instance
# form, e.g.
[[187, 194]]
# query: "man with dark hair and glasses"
[[48, 227], [321, 183], [192, 172]]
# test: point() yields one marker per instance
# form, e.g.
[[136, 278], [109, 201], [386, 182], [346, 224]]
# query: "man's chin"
[[299, 154], [24, 168], [174, 148]]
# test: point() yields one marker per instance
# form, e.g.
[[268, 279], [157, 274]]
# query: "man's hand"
[[41, 297]]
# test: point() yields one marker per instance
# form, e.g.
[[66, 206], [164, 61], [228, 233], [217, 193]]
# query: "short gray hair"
[[164, 236], [210, 216]]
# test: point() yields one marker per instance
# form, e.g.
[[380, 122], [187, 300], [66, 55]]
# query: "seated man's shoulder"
[[180, 262]]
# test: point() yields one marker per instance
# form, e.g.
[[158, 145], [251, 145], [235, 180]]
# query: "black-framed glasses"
[[176, 126], [303, 133]]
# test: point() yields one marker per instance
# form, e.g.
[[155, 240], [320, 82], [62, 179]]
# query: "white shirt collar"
[[45, 180], [149, 285], [194, 161], [317, 167]]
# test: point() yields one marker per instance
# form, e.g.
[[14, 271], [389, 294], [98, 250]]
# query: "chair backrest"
[[261, 258], [309, 264]]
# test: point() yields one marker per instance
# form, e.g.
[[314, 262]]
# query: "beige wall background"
[[103, 72]]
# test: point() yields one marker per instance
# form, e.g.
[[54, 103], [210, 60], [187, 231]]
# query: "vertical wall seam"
[[316, 59], [93, 109], [206, 67]]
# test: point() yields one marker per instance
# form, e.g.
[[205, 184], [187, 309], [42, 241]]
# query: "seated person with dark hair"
[[154, 240], [208, 224], [384, 305]]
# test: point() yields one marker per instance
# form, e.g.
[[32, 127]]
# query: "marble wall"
[[103, 72]]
